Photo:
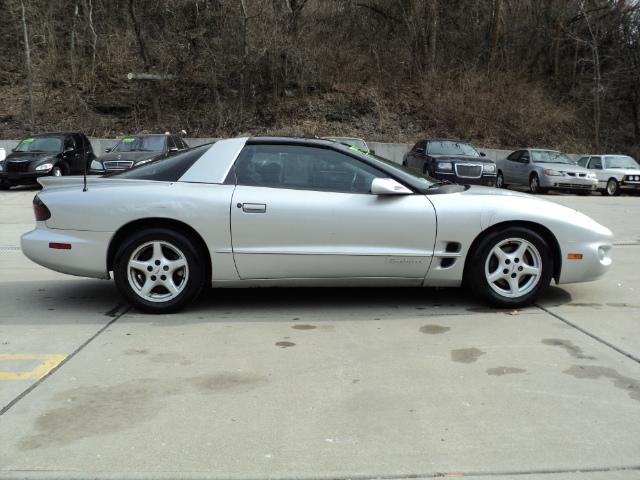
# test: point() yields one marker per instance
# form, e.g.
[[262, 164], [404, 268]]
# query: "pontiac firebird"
[[268, 211]]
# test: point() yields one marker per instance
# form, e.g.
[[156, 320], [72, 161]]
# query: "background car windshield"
[[545, 156], [621, 161], [40, 144], [404, 172], [451, 148], [153, 143], [355, 142]]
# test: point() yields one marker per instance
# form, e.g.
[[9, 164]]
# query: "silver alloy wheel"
[[612, 187], [513, 267], [157, 271], [534, 185], [56, 172]]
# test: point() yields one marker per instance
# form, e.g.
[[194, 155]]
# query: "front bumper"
[[629, 185], [568, 183], [485, 180], [21, 178], [595, 262], [87, 256]]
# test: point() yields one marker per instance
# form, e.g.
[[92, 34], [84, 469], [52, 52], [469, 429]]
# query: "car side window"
[[583, 162], [524, 157], [595, 163], [170, 143], [69, 143], [303, 168], [515, 155]]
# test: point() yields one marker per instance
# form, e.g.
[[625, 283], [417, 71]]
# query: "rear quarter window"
[[167, 169]]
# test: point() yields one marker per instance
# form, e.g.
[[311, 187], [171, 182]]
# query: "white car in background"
[[3, 154], [614, 172]]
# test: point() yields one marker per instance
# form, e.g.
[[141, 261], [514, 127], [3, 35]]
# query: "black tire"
[[534, 185], [195, 270], [482, 257], [612, 189], [500, 180], [57, 171], [5, 186]]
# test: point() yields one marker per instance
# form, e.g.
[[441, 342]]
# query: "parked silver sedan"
[[267, 211], [614, 172], [543, 170]]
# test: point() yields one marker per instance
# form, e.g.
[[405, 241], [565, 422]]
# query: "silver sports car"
[[249, 212]]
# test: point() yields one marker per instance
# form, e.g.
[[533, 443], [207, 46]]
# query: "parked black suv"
[[452, 160], [53, 154], [135, 149]]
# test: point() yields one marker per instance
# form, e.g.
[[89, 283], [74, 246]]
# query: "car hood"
[[562, 167], [130, 156], [624, 171], [28, 156], [461, 158]]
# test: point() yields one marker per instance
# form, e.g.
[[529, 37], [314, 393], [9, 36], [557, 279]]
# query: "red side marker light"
[[60, 246]]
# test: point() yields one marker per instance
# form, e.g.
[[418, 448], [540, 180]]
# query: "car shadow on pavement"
[[90, 301]]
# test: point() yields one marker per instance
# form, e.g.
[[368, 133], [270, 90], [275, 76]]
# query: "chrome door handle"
[[254, 207]]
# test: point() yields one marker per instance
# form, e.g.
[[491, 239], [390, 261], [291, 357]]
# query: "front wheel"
[[534, 185], [612, 188], [159, 270], [500, 180], [510, 268], [56, 171]]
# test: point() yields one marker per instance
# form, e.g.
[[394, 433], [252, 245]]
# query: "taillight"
[[40, 209]]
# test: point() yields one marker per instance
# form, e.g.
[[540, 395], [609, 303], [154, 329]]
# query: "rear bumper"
[[87, 256]]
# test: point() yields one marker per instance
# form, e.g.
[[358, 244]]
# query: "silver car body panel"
[[572, 176], [302, 237]]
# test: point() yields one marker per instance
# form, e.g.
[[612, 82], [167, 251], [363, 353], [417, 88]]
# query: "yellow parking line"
[[47, 363]]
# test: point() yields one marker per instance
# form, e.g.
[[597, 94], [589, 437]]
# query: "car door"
[[596, 165], [509, 167], [306, 212], [415, 156], [72, 155], [522, 168]]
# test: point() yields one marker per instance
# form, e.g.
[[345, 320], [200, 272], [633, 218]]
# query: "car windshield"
[[548, 156], [40, 144], [621, 161], [145, 143], [448, 147]]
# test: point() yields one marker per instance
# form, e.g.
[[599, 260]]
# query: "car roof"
[[53, 134], [444, 140], [541, 150], [147, 135]]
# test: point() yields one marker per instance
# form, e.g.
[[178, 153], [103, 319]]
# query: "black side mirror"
[[419, 150], [482, 154], [68, 149], [173, 149], [107, 150]]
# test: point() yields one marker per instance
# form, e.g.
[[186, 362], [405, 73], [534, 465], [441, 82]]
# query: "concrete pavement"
[[322, 383]]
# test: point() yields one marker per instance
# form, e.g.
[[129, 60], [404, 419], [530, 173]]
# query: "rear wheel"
[[612, 188], [511, 267], [159, 270]]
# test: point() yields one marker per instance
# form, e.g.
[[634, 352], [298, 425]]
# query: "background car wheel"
[[5, 186], [510, 268], [534, 185], [159, 270], [613, 188], [56, 171], [500, 180]]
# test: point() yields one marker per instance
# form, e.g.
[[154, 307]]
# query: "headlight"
[[96, 165], [1, 165], [44, 167], [446, 166], [489, 168], [553, 173], [591, 175]]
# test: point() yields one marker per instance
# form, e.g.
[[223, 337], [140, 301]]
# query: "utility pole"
[[27, 54]]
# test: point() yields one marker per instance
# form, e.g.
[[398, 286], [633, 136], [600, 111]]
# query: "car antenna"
[[84, 151]]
